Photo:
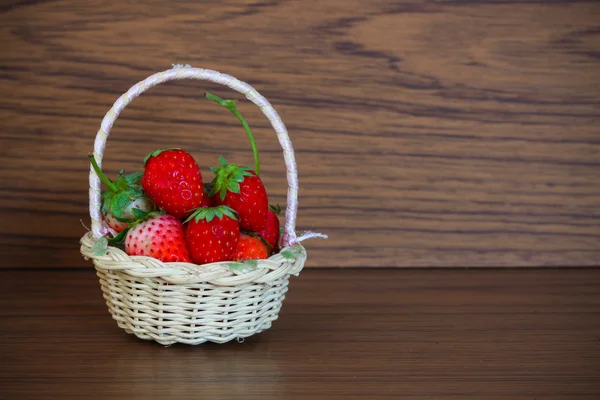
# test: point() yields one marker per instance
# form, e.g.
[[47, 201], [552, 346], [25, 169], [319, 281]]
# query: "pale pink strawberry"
[[114, 223], [161, 237], [124, 201], [142, 204]]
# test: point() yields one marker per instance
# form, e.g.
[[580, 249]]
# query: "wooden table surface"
[[427, 133], [342, 334]]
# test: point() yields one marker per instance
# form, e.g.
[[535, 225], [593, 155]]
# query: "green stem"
[[101, 175], [230, 105]]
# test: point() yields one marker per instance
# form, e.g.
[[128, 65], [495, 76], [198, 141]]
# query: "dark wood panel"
[[342, 334], [451, 133]]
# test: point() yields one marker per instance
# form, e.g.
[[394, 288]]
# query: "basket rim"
[[289, 261]]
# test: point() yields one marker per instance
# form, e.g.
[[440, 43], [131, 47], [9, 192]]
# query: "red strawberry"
[[173, 181], [123, 202], [160, 237], [250, 248], [212, 234], [242, 190], [270, 233]]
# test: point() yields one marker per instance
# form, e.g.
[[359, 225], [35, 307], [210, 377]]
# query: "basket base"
[[195, 341], [152, 309]]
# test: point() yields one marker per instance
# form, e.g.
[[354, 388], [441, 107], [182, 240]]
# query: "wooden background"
[[449, 133]]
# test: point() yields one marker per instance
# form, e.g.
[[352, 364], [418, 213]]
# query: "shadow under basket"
[[181, 302]]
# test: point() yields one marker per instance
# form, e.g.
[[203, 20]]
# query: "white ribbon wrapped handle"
[[187, 72]]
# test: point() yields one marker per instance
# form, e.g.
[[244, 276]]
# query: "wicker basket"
[[184, 302]]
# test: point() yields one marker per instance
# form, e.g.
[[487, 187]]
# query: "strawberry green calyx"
[[276, 209], [227, 178], [121, 193], [120, 238], [231, 106], [209, 213]]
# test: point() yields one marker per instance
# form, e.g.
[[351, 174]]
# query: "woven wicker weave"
[[183, 302]]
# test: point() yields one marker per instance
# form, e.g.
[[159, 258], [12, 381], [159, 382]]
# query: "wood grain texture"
[[342, 334], [451, 133]]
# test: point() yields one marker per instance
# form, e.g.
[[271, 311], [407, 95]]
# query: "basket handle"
[[187, 72]]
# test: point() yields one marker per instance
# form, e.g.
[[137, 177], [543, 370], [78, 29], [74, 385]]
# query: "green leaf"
[[139, 214], [288, 254], [222, 161], [99, 248], [210, 214], [105, 203], [238, 175], [233, 186], [227, 178], [299, 250], [191, 217], [120, 237], [136, 191], [214, 188], [241, 268], [120, 183], [276, 209], [119, 203], [245, 267], [229, 212], [134, 178]]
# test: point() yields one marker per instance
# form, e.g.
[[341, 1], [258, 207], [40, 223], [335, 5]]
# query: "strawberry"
[[242, 190], [250, 248], [135, 211], [212, 234], [173, 181], [270, 233], [160, 237], [239, 187], [124, 201]]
